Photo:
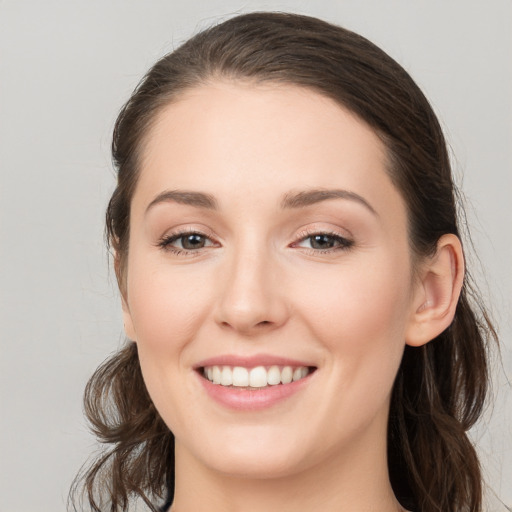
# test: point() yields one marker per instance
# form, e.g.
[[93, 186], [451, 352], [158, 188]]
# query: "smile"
[[253, 383], [257, 377]]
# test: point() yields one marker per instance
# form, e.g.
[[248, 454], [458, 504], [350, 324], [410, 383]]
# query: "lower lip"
[[244, 399]]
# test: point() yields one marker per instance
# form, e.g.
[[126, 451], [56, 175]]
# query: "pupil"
[[193, 242], [322, 242]]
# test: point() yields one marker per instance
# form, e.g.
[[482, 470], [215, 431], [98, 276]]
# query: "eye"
[[185, 242], [191, 241], [324, 242]]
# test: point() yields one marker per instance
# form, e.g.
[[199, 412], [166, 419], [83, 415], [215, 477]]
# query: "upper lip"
[[250, 361]]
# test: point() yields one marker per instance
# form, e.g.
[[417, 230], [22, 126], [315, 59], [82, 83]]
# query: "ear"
[[437, 292]]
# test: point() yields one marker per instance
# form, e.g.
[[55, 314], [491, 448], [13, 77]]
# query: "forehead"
[[242, 140]]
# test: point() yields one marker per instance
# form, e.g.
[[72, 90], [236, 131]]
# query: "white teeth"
[[226, 377], [274, 375], [258, 377], [287, 375], [240, 376], [216, 375]]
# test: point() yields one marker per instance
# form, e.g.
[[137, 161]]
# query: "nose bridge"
[[251, 298]]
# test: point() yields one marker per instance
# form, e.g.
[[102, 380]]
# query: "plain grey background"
[[66, 67]]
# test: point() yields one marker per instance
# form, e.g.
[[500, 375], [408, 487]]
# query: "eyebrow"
[[306, 198], [300, 199], [197, 199]]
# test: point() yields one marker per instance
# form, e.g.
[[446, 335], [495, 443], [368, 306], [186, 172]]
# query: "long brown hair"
[[440, 388]]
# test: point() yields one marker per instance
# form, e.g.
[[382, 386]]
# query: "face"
[[268, 281]]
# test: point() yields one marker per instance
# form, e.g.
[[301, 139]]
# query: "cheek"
[[358, 297], [361, 322], [361, 315], [166, 306]]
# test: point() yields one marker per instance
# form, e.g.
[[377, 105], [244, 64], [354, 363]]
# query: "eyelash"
[[166, 241], [342, 242]]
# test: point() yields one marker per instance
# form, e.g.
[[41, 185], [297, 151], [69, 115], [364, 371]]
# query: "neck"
[[354, 479]]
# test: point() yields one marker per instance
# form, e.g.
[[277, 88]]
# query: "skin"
[[259, 286]]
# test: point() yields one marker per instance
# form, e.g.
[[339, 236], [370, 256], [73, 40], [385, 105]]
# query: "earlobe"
[[437, 292]]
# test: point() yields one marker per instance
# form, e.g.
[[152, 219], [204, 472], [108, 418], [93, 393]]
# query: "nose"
[[252, 297]]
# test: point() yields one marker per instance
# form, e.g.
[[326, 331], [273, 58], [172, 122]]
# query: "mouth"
[[258, 377], [253, 383]]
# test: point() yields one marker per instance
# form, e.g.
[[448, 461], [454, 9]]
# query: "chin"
[[251, 454], [257, 467]]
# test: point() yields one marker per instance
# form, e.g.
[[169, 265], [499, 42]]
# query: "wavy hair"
[[440, 388]]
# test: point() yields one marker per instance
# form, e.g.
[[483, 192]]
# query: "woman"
[[286, 245]]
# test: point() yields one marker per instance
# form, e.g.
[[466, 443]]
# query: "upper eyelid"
[[311, 231], [178, 232]]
